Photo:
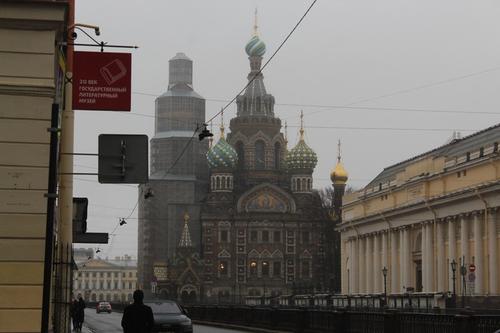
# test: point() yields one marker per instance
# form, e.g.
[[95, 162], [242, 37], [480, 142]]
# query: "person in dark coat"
[[137, 317], [73, 312], [80, 312]]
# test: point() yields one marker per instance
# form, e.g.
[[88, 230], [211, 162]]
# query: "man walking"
[[80, 312], [137, 317]]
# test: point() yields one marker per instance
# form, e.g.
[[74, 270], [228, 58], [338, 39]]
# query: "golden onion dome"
[[339, 175]]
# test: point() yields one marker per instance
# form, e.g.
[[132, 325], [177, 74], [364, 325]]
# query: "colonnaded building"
[[245, 219], [419, 216]]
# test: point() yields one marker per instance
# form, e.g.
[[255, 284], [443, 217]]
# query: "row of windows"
[[263, 236], [302, 184], [105, 274], [265, 268], [101, 285], [221, 182], [108, 297]]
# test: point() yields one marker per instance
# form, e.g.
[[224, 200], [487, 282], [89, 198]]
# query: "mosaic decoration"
[[222, 155], [301, 157]]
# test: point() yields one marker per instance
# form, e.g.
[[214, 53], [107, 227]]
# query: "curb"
[[237, 327]]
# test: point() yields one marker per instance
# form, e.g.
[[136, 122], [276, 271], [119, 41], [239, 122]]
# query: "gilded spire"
[[301, 125], [186, 236], [338, 152], [222, 123], [339, 175], [255, 25]]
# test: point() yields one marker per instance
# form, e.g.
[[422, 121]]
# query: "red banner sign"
[[102, 81]]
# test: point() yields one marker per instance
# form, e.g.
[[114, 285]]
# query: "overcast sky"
[[397, 64]]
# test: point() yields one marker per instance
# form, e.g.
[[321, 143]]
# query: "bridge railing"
[[312, 320]]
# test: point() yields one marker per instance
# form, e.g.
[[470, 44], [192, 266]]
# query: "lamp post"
[[384, 272], [453, 265]]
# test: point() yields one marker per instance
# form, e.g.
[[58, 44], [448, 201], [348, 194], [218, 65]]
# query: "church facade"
[[260, 229], [262, 224]]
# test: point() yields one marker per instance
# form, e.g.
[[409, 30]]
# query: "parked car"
[[103, 307], [170, 317]]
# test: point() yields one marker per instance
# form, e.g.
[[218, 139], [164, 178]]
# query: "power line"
[[266, 63], [334, 107], [424, 86], [388, 128]]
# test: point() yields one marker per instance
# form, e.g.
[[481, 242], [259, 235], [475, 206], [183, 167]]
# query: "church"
[[260, 229]]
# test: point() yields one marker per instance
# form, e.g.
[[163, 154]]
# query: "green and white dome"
[[301, 157], [255, 47], [222, 155]]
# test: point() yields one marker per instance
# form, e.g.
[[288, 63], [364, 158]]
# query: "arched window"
[[223, 182], [277, 155], [304, 188], [298, 184], [260, 157], [309, 184], [218, 182], [240, 149]]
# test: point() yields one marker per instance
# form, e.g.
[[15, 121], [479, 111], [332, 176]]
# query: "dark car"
[[170, 317], [103, 307]]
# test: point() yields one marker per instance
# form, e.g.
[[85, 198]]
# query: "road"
[[111, 323]]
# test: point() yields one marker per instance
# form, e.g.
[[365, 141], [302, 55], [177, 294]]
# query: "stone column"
[[355, 260], [377, 269], [492, 249], [430, 256], [452, 251], [393, 270], [478, 253], [407, 257], [464, 239], [402, 256], [361, 262], [425, 283], [369, 264], [346, 279], [441, 263]]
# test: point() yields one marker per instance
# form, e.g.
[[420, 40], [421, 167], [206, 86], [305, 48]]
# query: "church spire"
[[222, 123], [255, 25], [186, 236], [301, 125], [338, 152]]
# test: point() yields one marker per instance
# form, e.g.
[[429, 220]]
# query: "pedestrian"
[[74, 313], [137, 317], [80, 312]]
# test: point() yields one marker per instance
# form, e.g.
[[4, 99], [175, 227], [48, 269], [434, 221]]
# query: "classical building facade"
[[175, 186], [32, 70], [419, 216], [112, 280], [262, 225]]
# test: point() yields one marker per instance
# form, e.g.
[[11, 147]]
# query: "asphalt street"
[[111, 323]]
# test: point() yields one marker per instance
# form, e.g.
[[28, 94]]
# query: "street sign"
[[80, 215], [123, 159], [102, 81], [472, 268], [91, 238]]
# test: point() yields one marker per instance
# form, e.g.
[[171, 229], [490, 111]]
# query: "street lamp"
[[453, 270], [384, 272]]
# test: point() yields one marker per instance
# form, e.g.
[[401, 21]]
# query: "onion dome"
[[222, 155], [255, 47], [301, 156], [339, 175]]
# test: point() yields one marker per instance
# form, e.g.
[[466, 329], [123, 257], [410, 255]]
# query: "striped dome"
[[301, 157], [255, 47], [222, 155]]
